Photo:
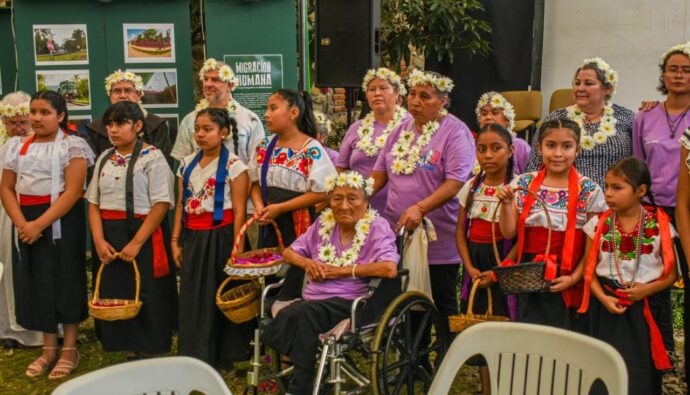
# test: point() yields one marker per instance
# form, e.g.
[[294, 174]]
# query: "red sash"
[[480, 231], [659, 355], [32, 200], [160, 256], [204, 221], [301, 220]]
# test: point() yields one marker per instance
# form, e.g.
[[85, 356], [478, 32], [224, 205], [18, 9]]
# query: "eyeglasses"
[[119, 91], [16, 124], [676, 70]]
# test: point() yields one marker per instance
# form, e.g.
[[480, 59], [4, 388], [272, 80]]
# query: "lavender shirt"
[[521, 156], [379, 246], [653, 143], [449, 156], [354, 159], [332, 154]]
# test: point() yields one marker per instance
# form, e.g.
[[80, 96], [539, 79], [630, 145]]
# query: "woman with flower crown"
[[347, 244], [492, 107], [365, 138], [14, 110], [606, 128], [425, 162]]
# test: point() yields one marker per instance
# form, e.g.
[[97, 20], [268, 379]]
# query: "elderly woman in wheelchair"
[[340, 252]]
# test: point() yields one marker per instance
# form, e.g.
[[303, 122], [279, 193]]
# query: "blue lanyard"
[[264, 168], [221, 175]]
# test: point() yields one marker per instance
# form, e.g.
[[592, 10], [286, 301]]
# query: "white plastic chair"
[[534, 359], [169, 375]]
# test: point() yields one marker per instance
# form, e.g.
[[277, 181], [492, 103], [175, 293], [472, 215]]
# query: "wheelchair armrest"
[[358, 302], [264, 294]]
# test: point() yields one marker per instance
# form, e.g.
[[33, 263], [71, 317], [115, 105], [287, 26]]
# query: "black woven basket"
[[525, 277]]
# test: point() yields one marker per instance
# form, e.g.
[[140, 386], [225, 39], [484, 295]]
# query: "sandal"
[[63, 367], [40, 365]]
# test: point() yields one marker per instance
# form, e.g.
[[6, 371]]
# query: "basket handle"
[[243, 230], [493, 223], [470, 306], [97, 286], [224, 284]]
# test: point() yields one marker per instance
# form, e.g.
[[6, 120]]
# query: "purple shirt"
[[521, 155], [378, 246], [354, 159], [653, 143], [448, 156]]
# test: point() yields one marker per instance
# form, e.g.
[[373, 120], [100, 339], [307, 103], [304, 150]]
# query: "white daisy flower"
[[341, 180], [330, 183], [607, 128], [587, 142], [599, 137], [381, 141], [326, 253], [397, 166]]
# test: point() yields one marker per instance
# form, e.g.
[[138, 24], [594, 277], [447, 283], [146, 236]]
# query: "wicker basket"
[[234, 256], [459, 323], [115, 309], [525, 277], [240, 304]]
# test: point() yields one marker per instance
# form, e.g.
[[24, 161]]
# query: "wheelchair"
[[383, 348]]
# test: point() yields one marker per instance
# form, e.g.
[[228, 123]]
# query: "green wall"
[[8, 67], [105, 42]]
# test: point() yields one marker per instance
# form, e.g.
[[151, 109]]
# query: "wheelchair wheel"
[[403, 354]]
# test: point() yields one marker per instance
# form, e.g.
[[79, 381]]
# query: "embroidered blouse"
[[36, 164], [590, 200], [152, 183], [300, 171], [202, 183], [651, 264], [685, 142], [484, 201]]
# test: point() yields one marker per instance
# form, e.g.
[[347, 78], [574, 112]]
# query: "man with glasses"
[[122, 86]]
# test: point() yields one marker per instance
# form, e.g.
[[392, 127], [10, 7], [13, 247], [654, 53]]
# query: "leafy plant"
[[433, 27]]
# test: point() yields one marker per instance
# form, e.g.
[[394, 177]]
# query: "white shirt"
[[202, 183], [152, 183], [484, 202]]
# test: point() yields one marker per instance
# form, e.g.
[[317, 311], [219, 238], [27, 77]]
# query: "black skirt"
[[628, 333], [544, 308], [204, 332], [151, 330], [483, 258], [50, 278]]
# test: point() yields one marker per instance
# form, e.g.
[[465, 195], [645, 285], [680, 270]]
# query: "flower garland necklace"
[[231, 107], [366, 132], [327, 252], [617, 278], [405, 156], [607, 126]]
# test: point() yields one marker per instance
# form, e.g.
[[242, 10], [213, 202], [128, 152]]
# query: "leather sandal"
[[63, 367], [40, 365]]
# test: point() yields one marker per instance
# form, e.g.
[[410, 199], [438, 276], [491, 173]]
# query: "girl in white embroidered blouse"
[[42, 186]]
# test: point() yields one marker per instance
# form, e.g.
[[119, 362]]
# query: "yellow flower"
[[587, 142], [397, 166], [599, 137]]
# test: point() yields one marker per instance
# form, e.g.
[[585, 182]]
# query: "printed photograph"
[[160, 87], [173, 121], [60, 45], [149, 43], [73, 122], [72, 84]]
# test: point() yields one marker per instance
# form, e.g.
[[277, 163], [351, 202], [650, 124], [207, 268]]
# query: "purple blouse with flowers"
[[378, 246], [448, 156], [654, 143]]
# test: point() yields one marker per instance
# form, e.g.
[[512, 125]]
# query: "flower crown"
[[610, 74], [119, 76], [224, 71], [384, 74], [684, 48], [322, 120], [350, 179], [496, 100], [9, 111], [443, 84]]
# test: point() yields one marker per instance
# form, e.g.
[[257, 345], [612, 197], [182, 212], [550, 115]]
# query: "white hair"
[[16, 98]]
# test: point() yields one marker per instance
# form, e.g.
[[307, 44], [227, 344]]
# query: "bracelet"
[[420, 207], [353, 270]]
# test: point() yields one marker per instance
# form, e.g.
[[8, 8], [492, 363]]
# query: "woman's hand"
[[268, 213], [486, 279], [611, 304], [410, 218], [30, 232], [106, 252], [506, 194], [637, 292], [176, 253], [315, 271], [560, 284], [647, 105], [130, 252]]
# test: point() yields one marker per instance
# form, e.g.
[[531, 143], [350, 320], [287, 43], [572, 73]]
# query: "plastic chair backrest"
[[534, 359], [561, 98], [169, 375], [527, 104]]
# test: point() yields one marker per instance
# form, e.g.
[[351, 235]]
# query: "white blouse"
[[590, 200], [152, 182], [651, 263], [484, 202], [300, 171], [37, 165], [202, 183]]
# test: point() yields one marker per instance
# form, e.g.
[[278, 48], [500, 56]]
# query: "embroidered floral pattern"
[[556, 198], [299, 162], [194, 205], [119, 162], [626, 242]]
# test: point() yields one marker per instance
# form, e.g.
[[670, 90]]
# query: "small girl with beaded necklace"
[[630, 249], [495, 150]]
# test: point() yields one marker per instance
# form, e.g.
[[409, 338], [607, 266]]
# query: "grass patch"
[[81, 55]]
